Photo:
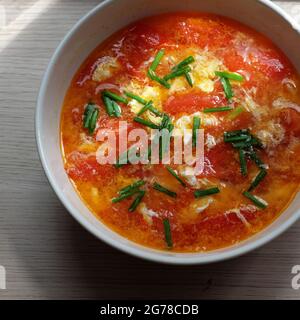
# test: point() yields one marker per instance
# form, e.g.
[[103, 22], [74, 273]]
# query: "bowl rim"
[[139, 251]]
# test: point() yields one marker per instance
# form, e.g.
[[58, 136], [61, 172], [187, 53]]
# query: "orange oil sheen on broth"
[[269, 98]]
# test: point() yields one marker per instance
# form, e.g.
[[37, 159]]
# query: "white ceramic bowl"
[[91, 30]]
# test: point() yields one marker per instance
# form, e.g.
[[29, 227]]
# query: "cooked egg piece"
[[105, 69]]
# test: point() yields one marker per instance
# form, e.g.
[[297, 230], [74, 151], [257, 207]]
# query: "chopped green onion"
[[177, 73], [145, 108], [135, 97], [218, 109], [157, 59], [235, 113], [88, 112], [149, 106], [168, 235], [227, 88], [146, 123], [152, 75], [242, 144], [256, 142], [230, 75], [196, 126], [249, 141], [243, 162], [175, 175], [123, 157], [258, 179], [137, 201], [254, 157], [170, 127], [165, 122], [257, 201], [189, 79], [108, 105], [203, 193], [241, 137], [155, 111], [132, 186], [184, 63], [162, 189], [114, 96], [236, 132], [125, 195], [151, 71], [116, 108], [93, 121]]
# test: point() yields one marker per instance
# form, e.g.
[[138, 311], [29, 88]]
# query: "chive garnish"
[[154, 111], [129, 191], [247, 142], [125, 195], [162, 189], [108, 105], [254, 157], [137, 201], [236, 132], [227, 88], [146, 123], [256, 142], [157, 59], [132, 186], [189, 79], [145, 108], [168, 235], [257, 201], [235, 113], [148, 104], [151, 71], [116, 109], [123, 159], [242, 144], [262, 173], [90, 117], [88, 112], [243, 162], [203, 193], [177, 73], [166, 123], [196, 126], [230, 75], [93, 121], [111, 106], [183, 66], [114, 96], [152, 75], [241, 137], [175, 175], [135, 97], [184, 63], [218, 109]]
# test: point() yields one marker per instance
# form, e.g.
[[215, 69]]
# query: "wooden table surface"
[[45, 252]]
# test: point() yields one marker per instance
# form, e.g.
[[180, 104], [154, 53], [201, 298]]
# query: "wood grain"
[[45, 252]]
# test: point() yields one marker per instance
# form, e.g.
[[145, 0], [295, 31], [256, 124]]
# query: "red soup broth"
[[266, 103]]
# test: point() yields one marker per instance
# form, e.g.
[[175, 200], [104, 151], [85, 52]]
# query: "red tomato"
[[88, 169], [222, 162], [192, 102]]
